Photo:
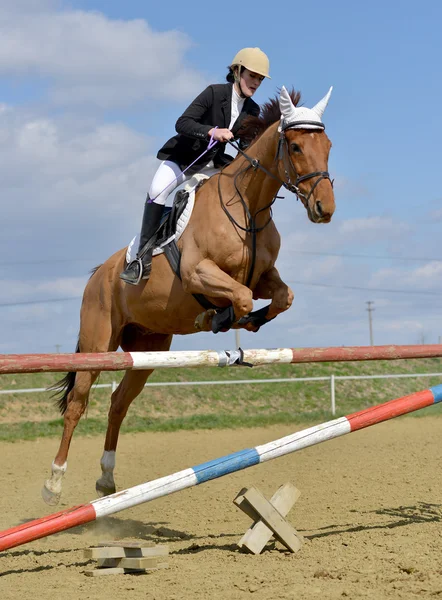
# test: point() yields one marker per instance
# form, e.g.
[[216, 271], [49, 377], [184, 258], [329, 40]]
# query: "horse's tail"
[[63, 387]]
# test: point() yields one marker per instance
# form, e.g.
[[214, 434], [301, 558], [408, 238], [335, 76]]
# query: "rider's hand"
[[221, 135]]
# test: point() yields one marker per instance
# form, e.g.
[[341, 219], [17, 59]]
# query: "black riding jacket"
[[212, 107]]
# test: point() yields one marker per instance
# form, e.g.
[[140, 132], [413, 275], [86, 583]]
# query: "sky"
[[91, 89]]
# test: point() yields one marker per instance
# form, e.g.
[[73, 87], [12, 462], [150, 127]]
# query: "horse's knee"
[[284, 300], [290, 297], [243, 302]]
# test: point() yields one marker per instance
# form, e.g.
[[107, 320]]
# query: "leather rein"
[[282, 154]]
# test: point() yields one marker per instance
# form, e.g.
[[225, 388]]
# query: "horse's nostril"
[[319, 208]]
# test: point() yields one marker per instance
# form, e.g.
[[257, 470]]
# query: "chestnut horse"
[[228, 248]]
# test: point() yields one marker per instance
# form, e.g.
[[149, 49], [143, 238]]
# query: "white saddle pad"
[[181, 223]]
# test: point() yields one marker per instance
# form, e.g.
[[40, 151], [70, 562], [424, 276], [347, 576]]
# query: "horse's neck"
[[257, 187]]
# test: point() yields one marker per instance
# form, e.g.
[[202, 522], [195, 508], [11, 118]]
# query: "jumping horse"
[[228, 253]]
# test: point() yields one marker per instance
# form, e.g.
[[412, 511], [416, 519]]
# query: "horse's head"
[[303, 156]]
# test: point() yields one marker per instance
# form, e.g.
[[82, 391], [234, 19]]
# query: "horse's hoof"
[[104, 490], [203, 322], [49, 497]]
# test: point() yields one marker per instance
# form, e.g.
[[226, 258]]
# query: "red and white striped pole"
[[216, 468], [121, 361]]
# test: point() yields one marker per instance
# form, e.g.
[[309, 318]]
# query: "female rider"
[[218, 111]]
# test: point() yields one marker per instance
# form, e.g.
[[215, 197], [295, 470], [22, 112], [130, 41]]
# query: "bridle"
[[283, 144], [282, 154]]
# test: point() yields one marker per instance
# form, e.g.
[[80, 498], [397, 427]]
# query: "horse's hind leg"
[[76, 405], [131, 385], [97, 334]]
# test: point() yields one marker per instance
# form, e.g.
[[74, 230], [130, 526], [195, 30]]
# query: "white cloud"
[[58, 161], [425, 277], [351, 187], [92, 59], [366, 226], [319, 269], [300, 236], [28, 6], [74, 186], [436, 214], [71, 188], [409, 325], [62, 287]]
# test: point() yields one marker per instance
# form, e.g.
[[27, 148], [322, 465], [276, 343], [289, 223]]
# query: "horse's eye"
[[295, 148]]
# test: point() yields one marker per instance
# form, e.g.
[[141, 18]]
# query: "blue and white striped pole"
[[216, 468]]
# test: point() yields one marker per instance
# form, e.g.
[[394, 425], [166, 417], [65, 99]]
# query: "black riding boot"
[[140, 267]]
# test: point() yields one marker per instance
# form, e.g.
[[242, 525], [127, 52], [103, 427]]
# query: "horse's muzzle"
[[318, 214]]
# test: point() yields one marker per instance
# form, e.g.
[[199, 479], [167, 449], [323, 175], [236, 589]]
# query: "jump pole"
[[213, 469], [121, 361]]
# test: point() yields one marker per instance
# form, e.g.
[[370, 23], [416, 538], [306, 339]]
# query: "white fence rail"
[[331, 378]]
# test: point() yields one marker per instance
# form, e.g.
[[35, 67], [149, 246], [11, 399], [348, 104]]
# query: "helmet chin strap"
[[237, 75]]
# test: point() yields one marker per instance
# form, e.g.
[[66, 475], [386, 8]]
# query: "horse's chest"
[[234, 251], [245, 259]]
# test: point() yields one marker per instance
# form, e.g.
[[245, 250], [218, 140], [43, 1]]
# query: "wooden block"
[[245, 506], [121, 570], [257, 536], [114, 571], [127, 544], [272, 518], [122, 552], [283, 500], [129, 563]]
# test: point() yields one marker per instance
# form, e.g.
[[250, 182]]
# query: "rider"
[[218, 111]]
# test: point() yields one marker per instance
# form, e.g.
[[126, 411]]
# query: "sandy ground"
[[370, 511]]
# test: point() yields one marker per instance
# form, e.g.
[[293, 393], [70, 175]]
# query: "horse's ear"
[[286, 105], [322, 104]]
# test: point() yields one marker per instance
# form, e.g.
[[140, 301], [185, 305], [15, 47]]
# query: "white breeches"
[[168, 177]]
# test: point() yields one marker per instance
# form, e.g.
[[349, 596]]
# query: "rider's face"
[[250, 82]]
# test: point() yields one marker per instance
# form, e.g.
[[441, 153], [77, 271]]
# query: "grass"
[[30, 416]]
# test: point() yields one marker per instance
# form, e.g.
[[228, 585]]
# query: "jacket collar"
[[226, 103]]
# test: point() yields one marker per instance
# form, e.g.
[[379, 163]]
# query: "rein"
[[287, 184], [251, 219]]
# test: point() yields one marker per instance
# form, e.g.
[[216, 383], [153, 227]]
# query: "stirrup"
[[140, 272]]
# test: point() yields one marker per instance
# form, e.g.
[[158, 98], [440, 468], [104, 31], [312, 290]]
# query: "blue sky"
[[89, 90]]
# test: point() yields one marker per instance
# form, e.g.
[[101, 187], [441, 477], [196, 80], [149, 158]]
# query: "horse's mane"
[[253, 127]]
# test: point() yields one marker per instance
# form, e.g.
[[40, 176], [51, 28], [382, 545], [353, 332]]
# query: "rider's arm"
[[189, 123]]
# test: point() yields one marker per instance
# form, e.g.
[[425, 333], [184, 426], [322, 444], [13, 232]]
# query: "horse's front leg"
[[208, 279], [269, 286]]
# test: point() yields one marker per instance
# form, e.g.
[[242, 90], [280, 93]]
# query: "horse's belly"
[[163, 306]]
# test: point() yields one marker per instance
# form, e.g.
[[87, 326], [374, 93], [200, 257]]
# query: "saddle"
[[169, 220]]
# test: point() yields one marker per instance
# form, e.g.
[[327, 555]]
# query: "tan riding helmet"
[[253, 59]]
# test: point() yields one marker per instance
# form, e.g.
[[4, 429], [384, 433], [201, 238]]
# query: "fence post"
[[332, 393], [114, 386]]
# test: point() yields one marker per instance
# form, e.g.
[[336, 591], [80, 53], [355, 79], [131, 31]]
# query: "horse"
[[228, 253]]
